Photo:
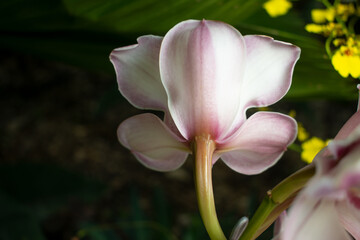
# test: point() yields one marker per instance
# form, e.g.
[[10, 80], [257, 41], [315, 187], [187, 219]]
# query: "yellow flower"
[[302, 133], [325, 29], [323, 15], [328, 14], [346, 59], [292, 113], [277, 8], [346, 64], [311, 147], [339, 41], [314, 28], [345, 10]]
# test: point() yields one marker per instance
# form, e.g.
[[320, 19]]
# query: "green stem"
[[352, 23], [277, 200], [328, 46], [258, 219], [204, 148], [338, 18], [292, 184]]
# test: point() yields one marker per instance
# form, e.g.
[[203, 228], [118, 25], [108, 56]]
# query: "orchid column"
[[204, 75]]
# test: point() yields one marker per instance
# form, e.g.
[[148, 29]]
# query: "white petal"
[[153, 144], [313, 220], [259, 142], [350, 217], [137, 71], [269, 70], [201, 66]]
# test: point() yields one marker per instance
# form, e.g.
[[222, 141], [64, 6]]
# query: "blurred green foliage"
[[137, 224], [29, 193], [83, 33]]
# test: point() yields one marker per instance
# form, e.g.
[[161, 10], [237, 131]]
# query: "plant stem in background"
[[277, 200]]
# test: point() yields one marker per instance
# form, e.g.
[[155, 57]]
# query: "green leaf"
[[84, 32], [158, 16]]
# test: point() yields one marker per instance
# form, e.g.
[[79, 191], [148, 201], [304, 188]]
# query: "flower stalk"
[[204, 148]]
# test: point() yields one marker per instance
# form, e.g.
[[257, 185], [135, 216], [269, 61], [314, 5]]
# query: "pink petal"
[[259, 143], [299, 214], [347, 172], [349, 126], [169, 122], [332, 155], [137, 71], [278, 225], [324, 161], [324, 187], [347, 176], [201, 66], [313, 220], [152, 143], [269, 69], [350, 217], [340, 147]]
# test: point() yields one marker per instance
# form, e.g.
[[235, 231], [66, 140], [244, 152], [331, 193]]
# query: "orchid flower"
[[329, 207], [204, 75]]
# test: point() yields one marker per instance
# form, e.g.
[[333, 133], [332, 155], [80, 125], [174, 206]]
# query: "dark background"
[[63, 174]]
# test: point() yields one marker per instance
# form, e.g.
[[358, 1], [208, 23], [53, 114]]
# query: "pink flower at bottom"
[[328, 208]]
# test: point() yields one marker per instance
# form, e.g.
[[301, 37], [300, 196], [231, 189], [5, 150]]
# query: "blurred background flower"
[[277, 8], [337, 23]]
